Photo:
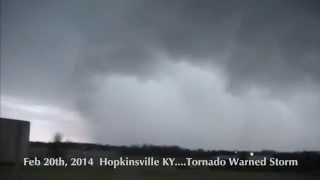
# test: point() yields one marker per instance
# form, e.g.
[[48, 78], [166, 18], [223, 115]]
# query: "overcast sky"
[[212, 74]]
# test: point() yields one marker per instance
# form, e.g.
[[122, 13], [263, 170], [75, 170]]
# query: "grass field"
[[150, 174]]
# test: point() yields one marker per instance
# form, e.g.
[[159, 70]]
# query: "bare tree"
[[57, 138], [56, 149]]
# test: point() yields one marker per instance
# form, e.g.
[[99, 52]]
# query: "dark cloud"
[[265, 42], [268, 43], [68, 53]]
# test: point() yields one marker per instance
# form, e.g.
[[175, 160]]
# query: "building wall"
[[14, 140]]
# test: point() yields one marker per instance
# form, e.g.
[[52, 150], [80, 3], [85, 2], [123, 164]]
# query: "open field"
[[148, 174]]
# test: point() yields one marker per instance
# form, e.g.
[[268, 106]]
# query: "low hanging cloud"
[[211, 74], [192, 108]]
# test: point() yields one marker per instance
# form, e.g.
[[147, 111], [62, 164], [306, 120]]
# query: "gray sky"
[[199, 74]]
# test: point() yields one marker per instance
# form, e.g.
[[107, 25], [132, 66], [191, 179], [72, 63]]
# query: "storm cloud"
[[199, 74]]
